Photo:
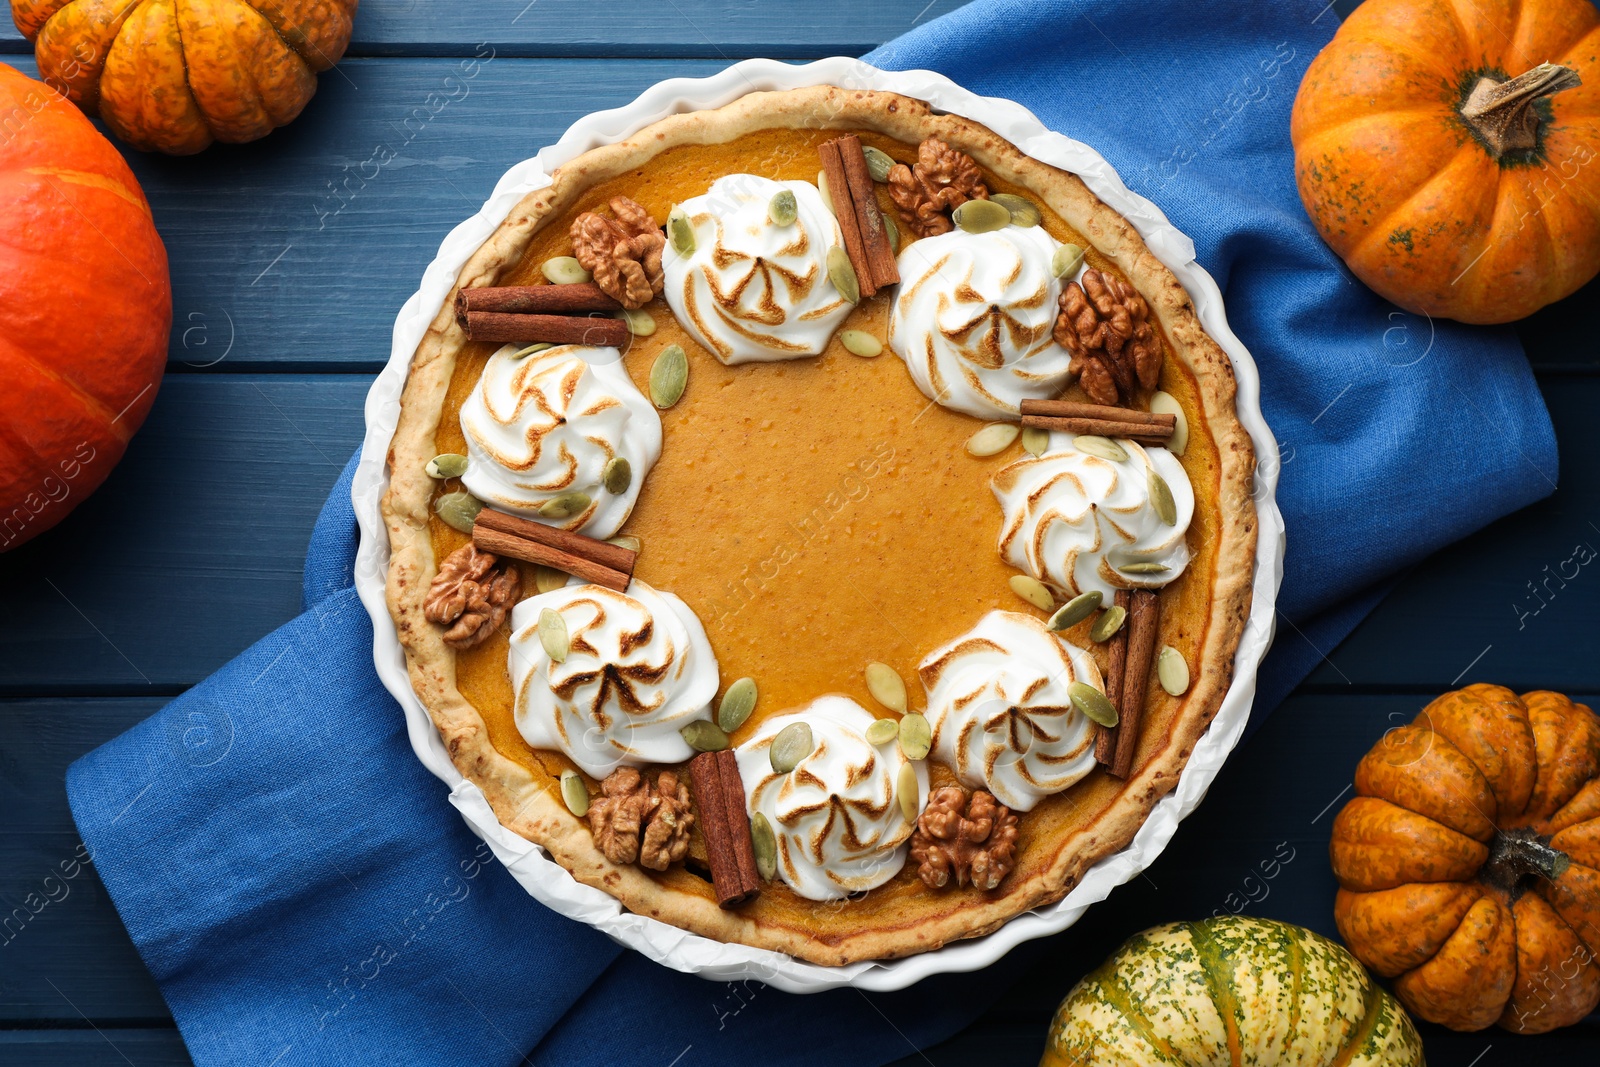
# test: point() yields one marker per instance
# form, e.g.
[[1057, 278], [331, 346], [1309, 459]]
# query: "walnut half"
[[471, 595], [635, 819], [1105, 324], [942, 180], [623, 253], [975, 840]]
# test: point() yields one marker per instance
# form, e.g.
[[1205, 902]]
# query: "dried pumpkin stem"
[[1502, 113], [1516, 854]]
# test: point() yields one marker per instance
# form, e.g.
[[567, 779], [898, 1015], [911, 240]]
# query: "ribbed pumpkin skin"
[[85, 308], [1230, 991], [1427, 895], [1406, 194], [174, 75]]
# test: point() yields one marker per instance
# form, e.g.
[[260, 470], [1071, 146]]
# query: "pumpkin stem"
[[1502, 113], [1516, 854]]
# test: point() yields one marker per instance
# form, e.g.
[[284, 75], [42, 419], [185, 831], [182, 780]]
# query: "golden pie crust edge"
[[539, 816]]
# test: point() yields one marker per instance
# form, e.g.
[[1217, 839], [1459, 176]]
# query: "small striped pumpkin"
[[1230, 990]]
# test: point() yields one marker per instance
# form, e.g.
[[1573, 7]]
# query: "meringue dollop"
[[1076, 521], [639, 668], [1001, 716], [752, 290], [836, 818], [973, 320], [545, 424]]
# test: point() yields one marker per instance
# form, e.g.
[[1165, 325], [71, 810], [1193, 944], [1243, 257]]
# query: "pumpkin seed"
[[627, 541], [1104, 447], [1065, 261], [1163, 403], [886, 686], [906, 791], [1033, 591], [565, 505], [564, 270], [669, 375], [531, 349], [1144, 568], [575, 793], [843, 275], [640, 322], [822, 187], [1109, 622], [1075, 610], [1161, 499], [892, 228], [446, 465], [916, 736], [765, 846], [738, 701], [703, 735], [1024, 212], [793, 744], [458, 510], [882, 731], [1035, 441], [879, 163], [861, 343], [680, 231], [1172, 671], [783, 209], [981, 216], [1092, 703], [617, 475], [553, 635], [992, 439], [548, 579]]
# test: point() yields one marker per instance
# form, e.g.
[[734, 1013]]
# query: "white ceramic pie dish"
[[550, 883]]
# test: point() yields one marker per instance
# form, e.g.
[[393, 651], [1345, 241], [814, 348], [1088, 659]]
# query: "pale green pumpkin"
[[1230, 992]]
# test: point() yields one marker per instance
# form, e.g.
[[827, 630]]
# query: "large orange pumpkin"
[[85, 307], [174, 75], [1448, 153], [1469, 860]]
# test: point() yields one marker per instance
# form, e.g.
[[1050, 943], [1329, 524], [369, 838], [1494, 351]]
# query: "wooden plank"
[[111, 1045], [714, 29], [194, 546]]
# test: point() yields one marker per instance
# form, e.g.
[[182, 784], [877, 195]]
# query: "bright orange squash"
[[1469, 860], [175, 75], [1447, 151], [85, 307]]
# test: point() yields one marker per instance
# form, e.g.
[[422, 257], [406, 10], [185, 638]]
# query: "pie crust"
[[1057, 854]]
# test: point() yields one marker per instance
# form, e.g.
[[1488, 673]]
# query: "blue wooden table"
[[289, 259]]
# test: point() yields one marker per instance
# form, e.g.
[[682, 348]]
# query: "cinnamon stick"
[[739, 823], [592, 560], [1072, 409], [876, 250], [558, 329], [845, 211], [534, 299], [1144, 615], [1143, 432], [1105, 745], [712, 805]]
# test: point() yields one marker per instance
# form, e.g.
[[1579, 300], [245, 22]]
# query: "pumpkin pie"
[[724, 571]]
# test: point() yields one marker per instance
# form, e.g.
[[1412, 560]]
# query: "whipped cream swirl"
[[542, 425], [1001, 716], [836, 817], [753, 290], [639, 669], [1076, 521], [973, 320]]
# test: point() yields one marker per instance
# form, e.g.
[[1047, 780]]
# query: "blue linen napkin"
[[304, 893]]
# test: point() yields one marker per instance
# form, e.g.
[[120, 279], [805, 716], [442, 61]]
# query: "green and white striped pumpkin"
[[1229, 992]]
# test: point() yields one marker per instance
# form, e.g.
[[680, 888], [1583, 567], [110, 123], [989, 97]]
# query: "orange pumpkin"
[[1469, 860], [85, 307], [1449, 186], [175, 75]]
